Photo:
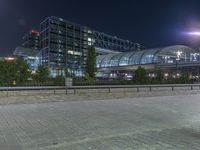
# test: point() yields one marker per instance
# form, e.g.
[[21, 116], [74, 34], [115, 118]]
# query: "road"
[[150, 123]]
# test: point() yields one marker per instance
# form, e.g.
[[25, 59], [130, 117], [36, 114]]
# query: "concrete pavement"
[[143, 123]]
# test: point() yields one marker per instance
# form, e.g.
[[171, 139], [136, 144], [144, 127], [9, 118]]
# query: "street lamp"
[[177, 59], [196, 33]]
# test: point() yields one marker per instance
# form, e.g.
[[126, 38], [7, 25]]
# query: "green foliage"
[[59, 80], [42, 74], [141, 76], [159, 76], [84, 81], [88, 78], [23, 72], [185, 78], [14, 72], [90, 62]]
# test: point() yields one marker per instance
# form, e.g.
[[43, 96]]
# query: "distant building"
[[64, 45], [32, 40], [31, 56], [29, 49], [172, 60]]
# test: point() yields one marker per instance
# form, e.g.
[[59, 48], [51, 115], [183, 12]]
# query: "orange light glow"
[[9, 58]]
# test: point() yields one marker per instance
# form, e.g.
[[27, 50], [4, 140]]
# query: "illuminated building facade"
[[32, 40], [171, 59], [31, 56], [64, 45]]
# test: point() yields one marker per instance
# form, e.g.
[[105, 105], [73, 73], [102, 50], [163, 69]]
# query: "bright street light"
[[194, 33]]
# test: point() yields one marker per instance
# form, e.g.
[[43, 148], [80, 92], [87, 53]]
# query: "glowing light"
[[9, 58], [179, 53], [35, 31], [194, 33], [166, 74]]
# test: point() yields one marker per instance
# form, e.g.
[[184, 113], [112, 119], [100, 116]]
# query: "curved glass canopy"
[[171, 54]]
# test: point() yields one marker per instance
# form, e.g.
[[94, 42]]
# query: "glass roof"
[[170, 54]]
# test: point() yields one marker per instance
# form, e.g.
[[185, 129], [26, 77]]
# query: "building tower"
[[32, 40], [64, 45]]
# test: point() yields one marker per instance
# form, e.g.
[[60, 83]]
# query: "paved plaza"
[[150, 123]]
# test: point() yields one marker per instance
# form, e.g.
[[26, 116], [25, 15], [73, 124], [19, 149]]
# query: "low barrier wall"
[[48, 90]]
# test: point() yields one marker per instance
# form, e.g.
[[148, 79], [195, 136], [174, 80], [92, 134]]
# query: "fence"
[[108, 87]]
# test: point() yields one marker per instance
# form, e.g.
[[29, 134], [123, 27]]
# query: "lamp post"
[[177, 59], [68, 78]]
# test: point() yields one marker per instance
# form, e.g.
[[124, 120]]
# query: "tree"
[[23, 71], [9, 72], [159, 76], [91, 62], [184, 78], [42, 74], [59, 80], [16, 71], [141, 76]]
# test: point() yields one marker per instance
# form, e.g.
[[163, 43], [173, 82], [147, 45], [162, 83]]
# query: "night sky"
[[151, 23]]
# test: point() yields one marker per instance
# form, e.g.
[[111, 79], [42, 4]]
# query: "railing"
[[108, 87], [137, 87]]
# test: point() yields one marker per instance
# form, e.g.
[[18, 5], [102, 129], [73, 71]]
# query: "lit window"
[[70, 52], [89, 31], [89, 39], [77, 53], [60, 19]]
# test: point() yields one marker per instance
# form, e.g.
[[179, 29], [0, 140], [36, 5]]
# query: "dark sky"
[[149, 22]]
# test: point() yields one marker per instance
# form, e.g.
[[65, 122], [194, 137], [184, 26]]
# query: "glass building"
[[64, 45], [165, 55], [31, 56], [32, 40], [108, 42], [173, 60]]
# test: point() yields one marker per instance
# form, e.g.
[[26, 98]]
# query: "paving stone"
[[140, 123]]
